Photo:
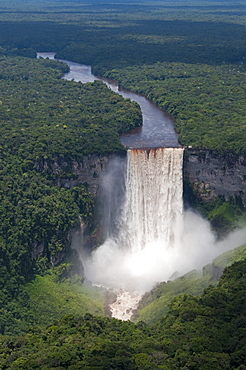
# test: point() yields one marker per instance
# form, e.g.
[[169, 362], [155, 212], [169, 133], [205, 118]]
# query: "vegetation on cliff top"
[[207, 102], [190, 81], [44, 118]]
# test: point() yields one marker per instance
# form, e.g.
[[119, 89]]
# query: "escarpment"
[[211, 173]]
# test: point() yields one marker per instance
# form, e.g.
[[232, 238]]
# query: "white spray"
[[154, 238]]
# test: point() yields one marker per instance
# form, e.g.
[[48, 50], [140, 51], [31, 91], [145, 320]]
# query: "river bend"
[[157, 130]]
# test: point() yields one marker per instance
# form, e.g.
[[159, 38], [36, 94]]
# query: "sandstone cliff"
[[211, 173]]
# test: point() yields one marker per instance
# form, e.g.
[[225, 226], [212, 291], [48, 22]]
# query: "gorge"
[[148, 227], [151, 238], [209, 173]]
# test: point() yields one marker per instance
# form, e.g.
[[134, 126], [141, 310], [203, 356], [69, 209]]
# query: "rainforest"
[[69, 186]]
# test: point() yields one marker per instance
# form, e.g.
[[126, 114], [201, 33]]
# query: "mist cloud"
[[113, 267]]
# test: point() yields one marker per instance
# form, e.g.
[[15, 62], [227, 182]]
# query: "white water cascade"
[[149, 236], [149, 229], [152, 240], [154, 204]]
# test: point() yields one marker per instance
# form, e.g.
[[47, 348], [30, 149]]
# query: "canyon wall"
[[210, 173], [207, 174], [69, 173], [86, 171]]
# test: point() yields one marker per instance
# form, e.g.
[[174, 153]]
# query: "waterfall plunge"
[[149, 235], [153, 207], [149, 228]]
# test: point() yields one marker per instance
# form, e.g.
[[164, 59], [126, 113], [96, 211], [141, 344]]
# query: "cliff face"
[[69, 173], [87, 170], [210, 173], [207, 173]]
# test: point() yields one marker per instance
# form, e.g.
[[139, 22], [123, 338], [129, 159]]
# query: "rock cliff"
[[207, 173], [210, 173], [70, 173]]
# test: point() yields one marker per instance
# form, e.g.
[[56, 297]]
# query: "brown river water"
[[157, 130]]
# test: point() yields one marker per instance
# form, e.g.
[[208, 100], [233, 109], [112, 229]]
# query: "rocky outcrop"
[[70, 173], [213, 270], [207, 173], [87, 171], [210, 173]]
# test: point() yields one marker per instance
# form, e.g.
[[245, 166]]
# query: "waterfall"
[[145, 241], [151, 218], [152, 239], [148, 237], [153, 206]]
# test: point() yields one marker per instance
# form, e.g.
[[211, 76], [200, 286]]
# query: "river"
[[157, 130], [127, 269]]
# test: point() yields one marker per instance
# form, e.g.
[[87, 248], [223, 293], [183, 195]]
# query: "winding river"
[[119, 265], [157, 130]]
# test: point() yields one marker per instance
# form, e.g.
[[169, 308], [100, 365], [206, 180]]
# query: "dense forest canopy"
[[115, 34], [205, 96], [188, 57], [44, 110], [204, 332], [44, 119], [208, 102], [113, 43]]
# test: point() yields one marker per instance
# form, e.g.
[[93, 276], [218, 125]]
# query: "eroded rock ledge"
[[210, 173], [69, 173]]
